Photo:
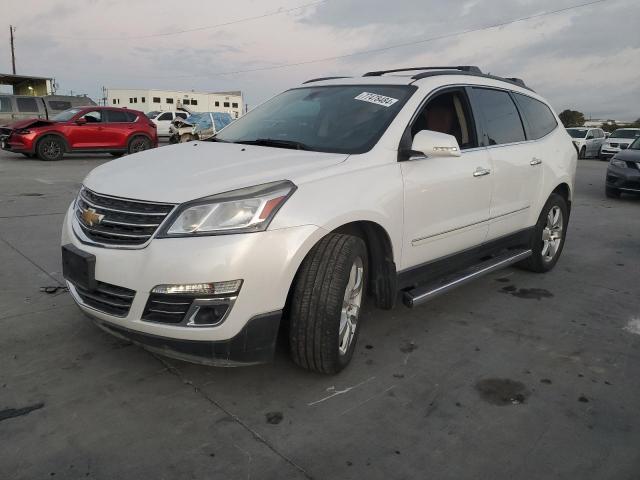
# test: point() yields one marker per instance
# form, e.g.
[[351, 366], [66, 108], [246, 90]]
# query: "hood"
[[187, 171], [628, 155], [30, 122]]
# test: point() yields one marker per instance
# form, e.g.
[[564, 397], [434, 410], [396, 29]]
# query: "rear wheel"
[[611, 192], [583, 153], [325, 306], [548, 235], [139, 144], [50, 148]]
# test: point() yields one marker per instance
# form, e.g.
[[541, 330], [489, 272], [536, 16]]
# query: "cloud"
[[586, 59]]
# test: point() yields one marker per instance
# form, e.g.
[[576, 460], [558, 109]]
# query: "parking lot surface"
[[517, 375]]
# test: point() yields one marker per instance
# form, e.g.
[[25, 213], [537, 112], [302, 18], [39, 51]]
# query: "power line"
[[397, 45], [279, 11]]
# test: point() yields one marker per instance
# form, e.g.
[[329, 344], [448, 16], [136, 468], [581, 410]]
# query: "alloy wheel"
[[351, 306], [552, 234]]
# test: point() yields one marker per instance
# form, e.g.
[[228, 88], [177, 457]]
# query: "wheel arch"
[[381, 264], [43, 135], [564, 190]]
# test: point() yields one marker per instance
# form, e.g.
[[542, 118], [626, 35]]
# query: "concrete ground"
[[517, 375]]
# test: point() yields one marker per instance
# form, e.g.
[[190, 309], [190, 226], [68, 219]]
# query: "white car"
[[587, 140], [620, 139], [333, 193], [163, 121]]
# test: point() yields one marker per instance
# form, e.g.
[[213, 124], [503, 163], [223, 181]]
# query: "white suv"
[[399, 183]]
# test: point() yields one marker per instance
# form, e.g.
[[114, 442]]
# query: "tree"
[[609, 126], [572, 118], [637, 122]]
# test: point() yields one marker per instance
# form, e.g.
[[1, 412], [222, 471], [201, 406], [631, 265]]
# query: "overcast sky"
[[586, 59]]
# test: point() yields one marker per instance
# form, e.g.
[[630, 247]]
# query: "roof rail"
[[461, 68], [321, 79], [434, 73]]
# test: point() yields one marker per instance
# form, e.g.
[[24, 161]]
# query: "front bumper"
[[17, 143], [266, 262], [624, 179], [254, 344]]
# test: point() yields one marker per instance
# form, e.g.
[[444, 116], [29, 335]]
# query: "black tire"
[[611, 192], [139, 143], [539, 261], [317, 301], [50, 148], [583, 153]]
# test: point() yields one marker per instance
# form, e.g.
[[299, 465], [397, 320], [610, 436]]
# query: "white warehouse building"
[[148, 100]]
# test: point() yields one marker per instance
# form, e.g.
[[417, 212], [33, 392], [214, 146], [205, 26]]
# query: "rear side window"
[[27, 104], [59, 105], [118, 116], [540, 121], [502, 122], [5, 104]]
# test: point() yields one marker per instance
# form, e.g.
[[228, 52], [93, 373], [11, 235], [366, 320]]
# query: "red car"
[[82, 129]]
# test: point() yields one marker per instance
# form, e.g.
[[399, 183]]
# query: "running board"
[[419, 295]]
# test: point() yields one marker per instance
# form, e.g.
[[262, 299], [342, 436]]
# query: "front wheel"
[[548, 235], [139, 144], [50, 149], [325, 306]]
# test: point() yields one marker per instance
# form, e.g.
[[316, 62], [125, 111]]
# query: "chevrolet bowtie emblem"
[[91, 217]]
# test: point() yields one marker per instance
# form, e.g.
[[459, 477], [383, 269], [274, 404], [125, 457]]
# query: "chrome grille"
[[121, 221], [107, 298]]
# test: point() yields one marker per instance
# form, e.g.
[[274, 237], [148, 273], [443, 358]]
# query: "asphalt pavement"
[[517, 375]]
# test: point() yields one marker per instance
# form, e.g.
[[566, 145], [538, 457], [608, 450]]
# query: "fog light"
[[215, 288], [209, 315]]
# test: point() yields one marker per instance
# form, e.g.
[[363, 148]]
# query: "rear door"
[[516, 168], [118, 127], [447, 199]]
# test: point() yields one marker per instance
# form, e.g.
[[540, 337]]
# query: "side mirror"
[[81, 121], [427, 143]]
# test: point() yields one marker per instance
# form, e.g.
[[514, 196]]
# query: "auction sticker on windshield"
[[377, 99]]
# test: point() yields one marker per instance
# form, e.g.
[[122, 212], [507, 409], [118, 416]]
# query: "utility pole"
[[13, 52]]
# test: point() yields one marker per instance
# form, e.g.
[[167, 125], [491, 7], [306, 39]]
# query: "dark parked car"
[[623, 173], [83, 129]]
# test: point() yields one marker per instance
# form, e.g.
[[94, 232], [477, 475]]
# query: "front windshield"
[[577, 132], [625, 133], [341, 119], [66, 115]]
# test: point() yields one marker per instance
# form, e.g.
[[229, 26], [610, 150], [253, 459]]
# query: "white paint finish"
[[186, 171], [441, 194], [429, 208], [251, 257]]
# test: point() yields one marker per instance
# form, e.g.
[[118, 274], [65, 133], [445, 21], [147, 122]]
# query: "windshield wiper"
[[274, 142], [214, 139]]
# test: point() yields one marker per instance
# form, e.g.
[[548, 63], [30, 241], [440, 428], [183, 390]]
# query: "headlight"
[[618, 163], [239, 211]]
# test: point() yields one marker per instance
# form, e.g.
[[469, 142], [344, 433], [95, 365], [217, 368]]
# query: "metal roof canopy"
[[9, 79]]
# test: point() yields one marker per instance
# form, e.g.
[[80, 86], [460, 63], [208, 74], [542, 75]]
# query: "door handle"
[[481, 172], [535, 161]]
